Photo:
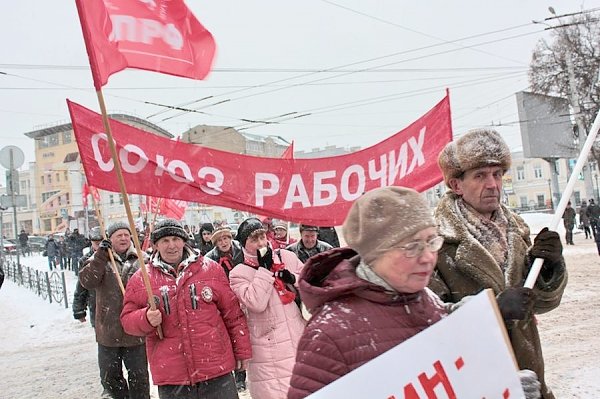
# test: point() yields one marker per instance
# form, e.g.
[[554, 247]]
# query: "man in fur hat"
[[488, 246]]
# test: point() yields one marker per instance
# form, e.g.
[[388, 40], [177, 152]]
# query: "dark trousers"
[[110, 361], [217, 388], [594, 225], [588, 231], [569, 236]]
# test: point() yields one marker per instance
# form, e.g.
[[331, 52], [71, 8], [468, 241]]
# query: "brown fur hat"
[[476, 149]]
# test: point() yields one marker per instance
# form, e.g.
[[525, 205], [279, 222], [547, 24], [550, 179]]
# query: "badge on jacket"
[[207, 294]]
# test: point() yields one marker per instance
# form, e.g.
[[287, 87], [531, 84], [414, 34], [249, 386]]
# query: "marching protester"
[[204, 242], [264, 285], [228, 253], [308, 245], [376, 288], [115, 346], [63, 253], [584, 220], [84, 298], [488, 246], [329, 235], [52, 250], [205, 332], [280, 238], [569, 217]]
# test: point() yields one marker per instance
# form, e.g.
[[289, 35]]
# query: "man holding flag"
[[488, 246]]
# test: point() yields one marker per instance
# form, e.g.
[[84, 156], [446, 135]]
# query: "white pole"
[[560, 209]]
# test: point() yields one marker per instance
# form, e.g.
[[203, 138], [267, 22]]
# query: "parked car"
[[9, 247], [37, 243]]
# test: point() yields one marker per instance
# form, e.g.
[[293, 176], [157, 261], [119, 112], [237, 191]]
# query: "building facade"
[[59, 177]]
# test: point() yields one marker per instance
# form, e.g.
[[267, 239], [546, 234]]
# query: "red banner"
[[155, 35], [313, 191]]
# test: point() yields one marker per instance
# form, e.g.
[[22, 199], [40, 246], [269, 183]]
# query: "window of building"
[[541, 200], [111, 199], [523, 201], [67, 198], [537, 171], [120, 199], [520, 173], [577, 195], [42, 180], [66, 175], [50, 178], [66, 136], [52, 140], [47, 224], [47, 195], [57, 177]]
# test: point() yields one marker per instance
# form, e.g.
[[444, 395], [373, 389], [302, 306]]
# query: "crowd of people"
[[215, 311]]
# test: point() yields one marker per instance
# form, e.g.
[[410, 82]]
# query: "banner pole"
[[536, 267], [136, 241], [113, 265]]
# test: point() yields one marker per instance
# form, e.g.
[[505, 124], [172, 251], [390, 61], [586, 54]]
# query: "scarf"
[[491, 233], [285, 295], [366, 273]]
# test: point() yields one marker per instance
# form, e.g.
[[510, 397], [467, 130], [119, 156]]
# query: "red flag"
[[95, 193], [289, 152], [84, 193], [155, 35]]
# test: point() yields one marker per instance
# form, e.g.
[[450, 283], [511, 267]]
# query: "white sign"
[[465, 355]]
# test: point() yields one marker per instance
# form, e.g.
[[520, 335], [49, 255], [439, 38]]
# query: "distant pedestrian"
[[584, 220], [52, 252], [593, 213], [569, 221]]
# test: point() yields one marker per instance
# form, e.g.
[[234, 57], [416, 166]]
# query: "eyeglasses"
[[416, 248]]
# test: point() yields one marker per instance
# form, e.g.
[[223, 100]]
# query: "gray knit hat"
[[476, 149], [384, 217], [168, 228], [95, 234], [117, 226]]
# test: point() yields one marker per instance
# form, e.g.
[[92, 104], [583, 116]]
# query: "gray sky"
[[391, 62]]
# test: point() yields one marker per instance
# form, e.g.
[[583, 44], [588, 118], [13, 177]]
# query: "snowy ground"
[[45, 353]]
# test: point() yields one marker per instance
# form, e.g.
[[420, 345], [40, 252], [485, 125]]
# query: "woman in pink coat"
[[274, 320]]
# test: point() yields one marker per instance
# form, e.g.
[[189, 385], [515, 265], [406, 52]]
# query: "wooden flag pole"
[[113, 265], [136, 241], [536, 267]]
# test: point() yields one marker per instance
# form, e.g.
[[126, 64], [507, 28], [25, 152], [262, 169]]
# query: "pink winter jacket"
[[275, 328], [204, 333]]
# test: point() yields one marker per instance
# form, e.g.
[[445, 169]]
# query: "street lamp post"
[[597, 188], [550, 190]]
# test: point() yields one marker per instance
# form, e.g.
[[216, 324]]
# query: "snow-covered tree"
[[575, 40]]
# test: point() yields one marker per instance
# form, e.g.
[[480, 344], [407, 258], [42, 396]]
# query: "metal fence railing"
[[50, 286]]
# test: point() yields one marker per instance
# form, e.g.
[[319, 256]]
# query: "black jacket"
[[226, 262]]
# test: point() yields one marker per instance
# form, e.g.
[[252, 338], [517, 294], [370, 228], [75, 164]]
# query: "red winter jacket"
[[203, 334], [353, 320]]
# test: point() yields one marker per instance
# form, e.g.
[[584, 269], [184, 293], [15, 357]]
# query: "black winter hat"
[[168, 228], [246, 228], [117, 226], [207, 227]]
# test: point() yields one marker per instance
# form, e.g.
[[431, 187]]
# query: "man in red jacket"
[[205, 334]]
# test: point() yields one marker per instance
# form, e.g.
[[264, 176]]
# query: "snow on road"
[[45, 353]]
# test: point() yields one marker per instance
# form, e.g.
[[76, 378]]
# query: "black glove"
[[265, 261], [102, 252], [547, 246], [286, 276], [516, 303]]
